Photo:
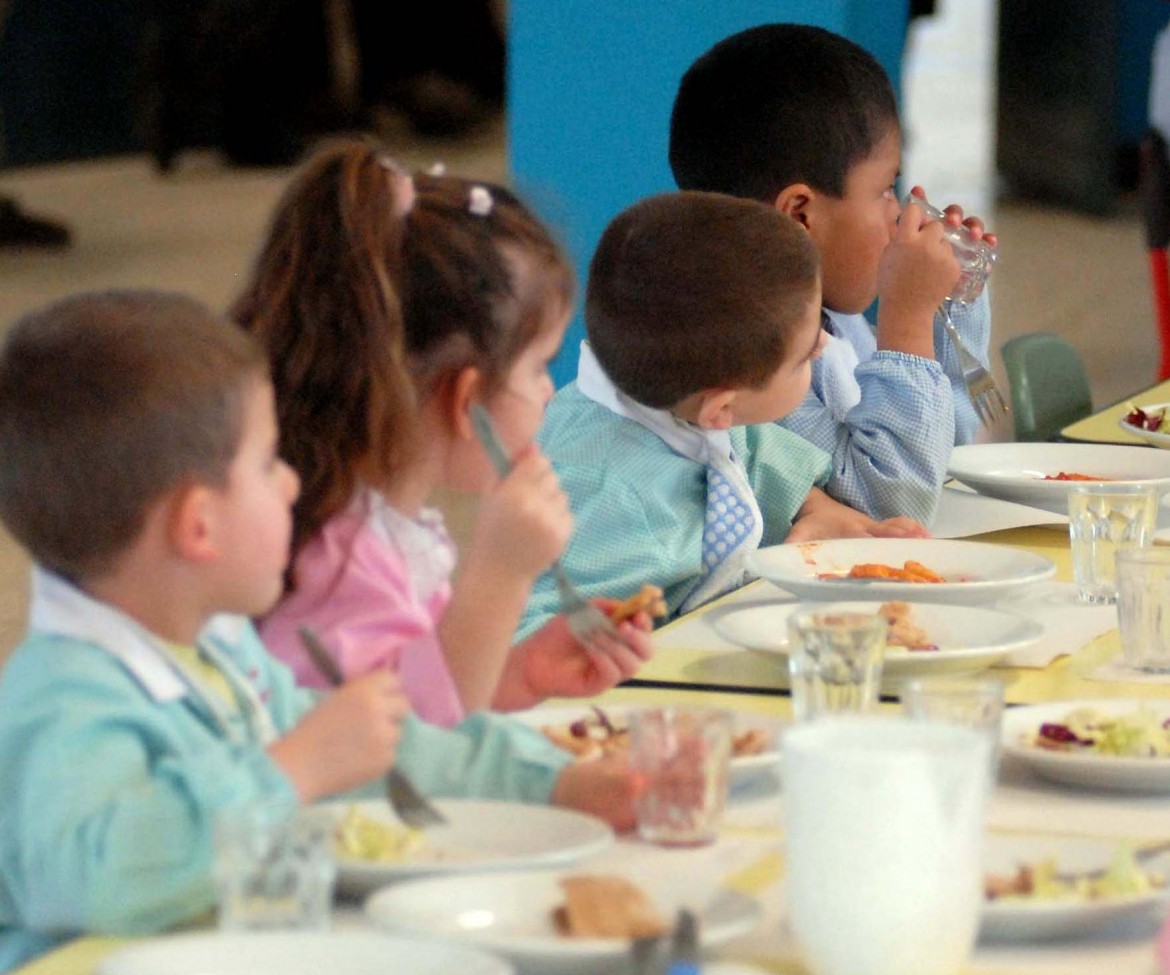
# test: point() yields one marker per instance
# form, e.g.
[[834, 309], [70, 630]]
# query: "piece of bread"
[[607, 906], [647, 599]]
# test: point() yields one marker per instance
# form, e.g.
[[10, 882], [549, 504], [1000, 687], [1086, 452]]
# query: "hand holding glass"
[[976, 257], [680, 758]]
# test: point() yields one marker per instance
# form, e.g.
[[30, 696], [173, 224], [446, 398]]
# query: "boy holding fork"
[[814, 132], [140, 471]]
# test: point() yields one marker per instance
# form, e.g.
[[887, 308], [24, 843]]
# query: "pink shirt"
[[373, 585]]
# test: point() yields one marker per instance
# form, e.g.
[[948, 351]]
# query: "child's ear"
[[463, 393], [191, 523], [796, 200], [715, 409]]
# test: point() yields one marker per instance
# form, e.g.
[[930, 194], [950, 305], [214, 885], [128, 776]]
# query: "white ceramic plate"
[[1043, 920], [479, 836], [1016, 471], [741, 768], [511, 914], [300, 953], [1020, 725], [976, 572], [1157, 439], [969, 638]]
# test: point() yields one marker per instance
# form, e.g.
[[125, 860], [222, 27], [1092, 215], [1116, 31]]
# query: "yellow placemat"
[[80, 957], [1102, 426]]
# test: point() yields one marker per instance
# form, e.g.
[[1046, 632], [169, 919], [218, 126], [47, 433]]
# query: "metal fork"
[[985, 395], [412, 806], [586, 622]]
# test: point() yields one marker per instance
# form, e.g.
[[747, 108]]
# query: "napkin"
[[1068, 623], [961, 513]]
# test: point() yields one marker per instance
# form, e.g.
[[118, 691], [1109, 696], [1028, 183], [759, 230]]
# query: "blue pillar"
[[590, 88]]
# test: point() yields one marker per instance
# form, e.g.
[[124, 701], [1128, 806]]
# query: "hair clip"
[[437, 169], [479, 201]]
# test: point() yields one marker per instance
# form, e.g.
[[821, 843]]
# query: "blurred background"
[[144, 142]]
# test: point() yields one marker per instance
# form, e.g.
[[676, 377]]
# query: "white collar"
[[58, 606], [707, 447]]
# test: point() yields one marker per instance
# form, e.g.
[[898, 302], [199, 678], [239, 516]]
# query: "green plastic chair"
[[1048, 384]]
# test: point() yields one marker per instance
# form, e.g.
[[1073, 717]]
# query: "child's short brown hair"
[[107, 401], [691, 291]]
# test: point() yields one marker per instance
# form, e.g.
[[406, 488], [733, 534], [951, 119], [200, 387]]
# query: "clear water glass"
[[834, 661], [1143, 608], [274, 867], [681, 759], [1106, 518], [976, 257], [972, 702]]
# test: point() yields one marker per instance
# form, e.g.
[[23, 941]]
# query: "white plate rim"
[[130, 959], [818, 590], [1002, 919], [1150, 436], [718, 616], [747, 915], [1098, 771], [538, 716], [597, 836]]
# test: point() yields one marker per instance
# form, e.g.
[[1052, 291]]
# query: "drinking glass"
[[274, 867], [883, 830], [834, 660], [976, 257], [1106, 518], [1143, 608], [973, 702], [680, 758]]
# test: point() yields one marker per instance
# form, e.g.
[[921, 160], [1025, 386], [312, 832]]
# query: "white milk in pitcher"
[[884, 828]]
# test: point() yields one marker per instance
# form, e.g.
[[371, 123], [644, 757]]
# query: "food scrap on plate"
[[605, 906], [910, 571], [1140, 734], [1042, 881]]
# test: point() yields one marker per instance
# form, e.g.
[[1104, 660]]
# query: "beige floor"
[[196, 230]]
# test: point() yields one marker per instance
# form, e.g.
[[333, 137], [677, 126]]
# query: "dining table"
[[1102, 425], [694, 665]]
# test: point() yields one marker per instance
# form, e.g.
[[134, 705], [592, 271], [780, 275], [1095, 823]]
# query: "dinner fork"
[[981, 387], [411, 805], [586, 622]]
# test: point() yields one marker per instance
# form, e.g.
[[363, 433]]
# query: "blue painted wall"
[[590, 88]]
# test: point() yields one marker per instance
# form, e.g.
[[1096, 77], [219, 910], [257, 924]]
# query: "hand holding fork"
[[588, 624]]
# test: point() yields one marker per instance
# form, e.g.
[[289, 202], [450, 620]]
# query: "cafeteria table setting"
[[479, 892]]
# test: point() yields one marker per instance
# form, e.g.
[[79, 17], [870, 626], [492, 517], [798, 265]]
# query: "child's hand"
[[552, 663], [916, 272], [603, 787], [955, 217], [524, 521], [346, 740], [821, 517]]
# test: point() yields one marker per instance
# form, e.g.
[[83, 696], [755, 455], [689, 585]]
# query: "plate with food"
[[1039, 474], [297, 953], [1040, 887], [590, 732], [1150, 423], [1121, 745], [558, 922], [926, 570], [373, 847], [923, 639]]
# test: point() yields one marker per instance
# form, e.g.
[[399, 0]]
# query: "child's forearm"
[[477, 629], [908, 330]]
